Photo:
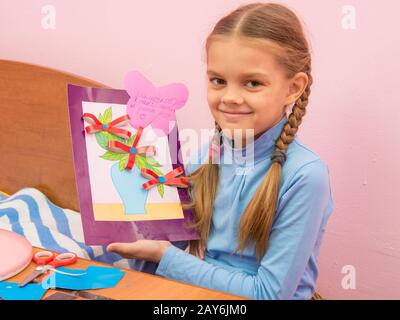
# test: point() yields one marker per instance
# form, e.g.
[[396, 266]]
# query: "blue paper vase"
[[129, 184]]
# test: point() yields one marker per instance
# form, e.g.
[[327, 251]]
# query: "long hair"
[[278, 24]]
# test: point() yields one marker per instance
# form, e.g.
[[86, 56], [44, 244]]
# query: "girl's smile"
[[234, 115]]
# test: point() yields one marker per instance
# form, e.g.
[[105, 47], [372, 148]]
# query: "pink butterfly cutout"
[[151, 105]]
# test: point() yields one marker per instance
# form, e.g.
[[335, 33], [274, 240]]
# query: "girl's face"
[[247, 89]]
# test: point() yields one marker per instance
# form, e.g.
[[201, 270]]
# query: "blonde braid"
[[256, 221], [294, 120], [205, 186]]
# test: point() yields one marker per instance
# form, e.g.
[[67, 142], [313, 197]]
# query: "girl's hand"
[[149, 250]]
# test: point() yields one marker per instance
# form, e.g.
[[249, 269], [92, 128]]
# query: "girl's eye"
[[217, 81], [254, 83], [250, 84]]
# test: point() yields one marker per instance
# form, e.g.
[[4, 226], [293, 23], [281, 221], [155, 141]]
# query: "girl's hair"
[[281, 27]]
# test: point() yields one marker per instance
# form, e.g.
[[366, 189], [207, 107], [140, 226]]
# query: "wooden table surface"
[[136, 285]]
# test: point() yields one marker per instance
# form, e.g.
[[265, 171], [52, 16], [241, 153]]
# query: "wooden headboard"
[[35, 143]]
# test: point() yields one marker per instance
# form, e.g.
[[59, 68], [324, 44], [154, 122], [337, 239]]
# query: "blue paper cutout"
[[95, 278], [125, 181], [11, 291]]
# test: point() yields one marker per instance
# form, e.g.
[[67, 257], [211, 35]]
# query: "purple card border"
[[105, 232]]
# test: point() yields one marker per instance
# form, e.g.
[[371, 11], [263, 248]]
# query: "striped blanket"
[[30, 214]]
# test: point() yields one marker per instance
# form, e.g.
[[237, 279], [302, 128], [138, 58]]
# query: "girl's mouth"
[[234, 115]]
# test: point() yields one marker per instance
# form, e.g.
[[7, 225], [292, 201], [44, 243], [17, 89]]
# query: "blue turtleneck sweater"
[[288, 270]]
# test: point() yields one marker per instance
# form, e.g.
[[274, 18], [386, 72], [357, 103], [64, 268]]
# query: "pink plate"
[[15, 254]]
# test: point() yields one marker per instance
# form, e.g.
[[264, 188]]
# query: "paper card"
[[125, 199], [115, 207]]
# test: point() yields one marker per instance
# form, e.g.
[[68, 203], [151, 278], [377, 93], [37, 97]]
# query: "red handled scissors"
[[48, 261]]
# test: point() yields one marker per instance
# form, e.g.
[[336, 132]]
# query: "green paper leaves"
[[102, 139], [131, 139], [114, 156], [123, 162], [153, 163], [160, 189], [107, 117]]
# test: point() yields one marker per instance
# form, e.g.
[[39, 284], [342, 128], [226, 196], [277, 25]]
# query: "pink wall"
[[351, 121]]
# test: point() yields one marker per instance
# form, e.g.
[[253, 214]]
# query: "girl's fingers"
[[150, 250], [123, 249]]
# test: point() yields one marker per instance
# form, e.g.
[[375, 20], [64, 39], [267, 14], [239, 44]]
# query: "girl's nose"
[[231, 98]]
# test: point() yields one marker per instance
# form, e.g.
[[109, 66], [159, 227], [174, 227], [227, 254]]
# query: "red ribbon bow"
[[117, 146], [97, 126], [169, 178]]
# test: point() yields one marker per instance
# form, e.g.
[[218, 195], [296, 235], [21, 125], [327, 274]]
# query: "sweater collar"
[[255, 150]]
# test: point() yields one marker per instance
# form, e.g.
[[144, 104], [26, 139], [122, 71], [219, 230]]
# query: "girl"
[[260, 232]]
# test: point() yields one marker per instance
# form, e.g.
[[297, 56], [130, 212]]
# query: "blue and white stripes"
[[30, 214]]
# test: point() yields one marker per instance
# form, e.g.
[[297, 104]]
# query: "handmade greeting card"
[[130, 181]]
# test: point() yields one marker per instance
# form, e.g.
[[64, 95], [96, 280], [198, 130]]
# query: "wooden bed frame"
[[35, 143]]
